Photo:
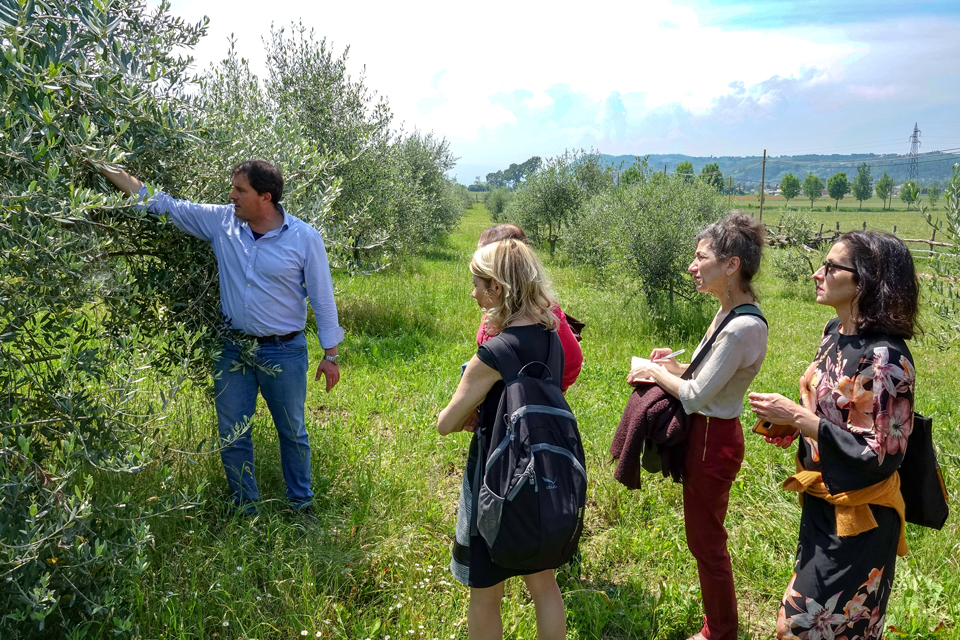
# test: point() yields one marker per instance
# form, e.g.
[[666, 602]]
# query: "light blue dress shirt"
[[264, 284]]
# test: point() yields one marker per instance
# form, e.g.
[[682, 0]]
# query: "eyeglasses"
[[827, 265]]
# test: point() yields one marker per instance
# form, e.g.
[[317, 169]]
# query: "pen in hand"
[[671, 355]]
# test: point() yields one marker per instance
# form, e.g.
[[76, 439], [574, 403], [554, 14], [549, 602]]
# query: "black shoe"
[[305, 514], [246, 508]]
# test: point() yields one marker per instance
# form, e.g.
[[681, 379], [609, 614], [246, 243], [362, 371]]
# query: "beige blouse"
[[719, 384]]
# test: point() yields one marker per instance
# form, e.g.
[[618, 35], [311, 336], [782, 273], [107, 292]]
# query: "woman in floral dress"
[[855, 420]]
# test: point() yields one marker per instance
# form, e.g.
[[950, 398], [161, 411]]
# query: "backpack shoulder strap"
[[555, 357], [504, 356]]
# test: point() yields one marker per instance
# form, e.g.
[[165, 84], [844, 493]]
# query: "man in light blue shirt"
[[270, 263]]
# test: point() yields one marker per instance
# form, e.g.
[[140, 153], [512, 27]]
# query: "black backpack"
[[531, 488]]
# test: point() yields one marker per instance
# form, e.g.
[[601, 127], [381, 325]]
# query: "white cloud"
[[539, 100], [873, 93], [486, 83]]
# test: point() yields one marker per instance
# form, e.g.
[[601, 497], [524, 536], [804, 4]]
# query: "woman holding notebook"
[[727, 258]]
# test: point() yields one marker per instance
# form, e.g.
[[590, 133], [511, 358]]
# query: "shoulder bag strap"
[[742, 310]]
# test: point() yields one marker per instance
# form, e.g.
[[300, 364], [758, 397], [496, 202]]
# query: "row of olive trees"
[[643, 227], [394, 195], [107, 313]]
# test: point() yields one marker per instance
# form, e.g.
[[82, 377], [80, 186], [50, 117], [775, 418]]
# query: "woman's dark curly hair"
[[888, 294], [738, 235]]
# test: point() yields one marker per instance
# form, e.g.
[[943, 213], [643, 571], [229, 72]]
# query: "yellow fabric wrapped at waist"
[[853, 512]]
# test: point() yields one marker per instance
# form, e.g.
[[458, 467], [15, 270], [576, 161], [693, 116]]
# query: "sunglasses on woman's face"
[[827, 265]]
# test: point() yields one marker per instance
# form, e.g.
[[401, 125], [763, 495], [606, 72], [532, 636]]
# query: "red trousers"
[[714, 455]]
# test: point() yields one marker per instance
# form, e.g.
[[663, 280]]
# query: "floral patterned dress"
[[862, 387]]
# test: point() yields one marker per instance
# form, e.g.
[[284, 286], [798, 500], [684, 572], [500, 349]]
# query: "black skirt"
[[471, 563]]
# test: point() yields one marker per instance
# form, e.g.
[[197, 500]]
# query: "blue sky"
[[507, 80]]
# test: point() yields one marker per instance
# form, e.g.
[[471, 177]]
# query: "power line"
[[929, 154]]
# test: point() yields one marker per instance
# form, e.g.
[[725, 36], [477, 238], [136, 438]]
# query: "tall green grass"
[[374, 565]]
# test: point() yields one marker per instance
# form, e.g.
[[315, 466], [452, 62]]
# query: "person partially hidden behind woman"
[[572, 355], [727, 258], [855, 421], [510, 286]]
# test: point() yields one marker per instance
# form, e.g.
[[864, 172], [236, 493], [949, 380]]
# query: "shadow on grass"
[[435, 253], [370, 316], [605, 609]]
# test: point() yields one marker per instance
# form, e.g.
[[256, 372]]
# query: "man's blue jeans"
[[285, 393]]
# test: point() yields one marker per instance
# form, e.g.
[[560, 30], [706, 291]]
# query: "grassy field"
[[374, 566], [909, 224]]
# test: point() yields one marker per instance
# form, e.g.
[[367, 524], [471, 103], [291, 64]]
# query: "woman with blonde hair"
[[572, 354], [510, 286]]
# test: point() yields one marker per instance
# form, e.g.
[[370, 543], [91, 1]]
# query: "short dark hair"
[[888, 293], [739, 235], [499, 232], [264, 177]]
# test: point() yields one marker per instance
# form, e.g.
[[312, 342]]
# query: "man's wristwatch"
[[334, 359]]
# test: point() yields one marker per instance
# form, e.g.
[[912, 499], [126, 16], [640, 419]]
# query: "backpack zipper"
[[501, 447], [530, 473], [540, 408], [543, 446]]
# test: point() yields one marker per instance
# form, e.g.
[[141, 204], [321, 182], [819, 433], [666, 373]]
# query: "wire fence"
[[831, 235]]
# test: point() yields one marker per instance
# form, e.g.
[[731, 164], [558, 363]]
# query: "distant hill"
[[933, 167]]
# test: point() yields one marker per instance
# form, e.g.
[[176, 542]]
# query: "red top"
[[572, 355]]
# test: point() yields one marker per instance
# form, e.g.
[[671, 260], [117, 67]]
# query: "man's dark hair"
[[888, 295], [263, 176]]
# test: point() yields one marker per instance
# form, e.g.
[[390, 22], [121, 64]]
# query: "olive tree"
[[944, 288], [392, 192], [83, 82], [497, 200], [431, 207], [646, 230], [550, 200], [109, 313]]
